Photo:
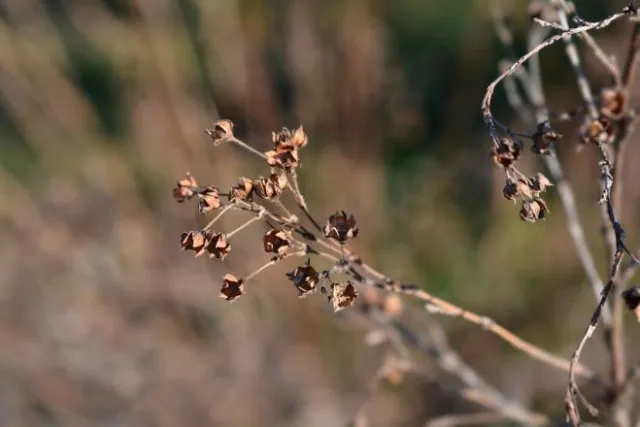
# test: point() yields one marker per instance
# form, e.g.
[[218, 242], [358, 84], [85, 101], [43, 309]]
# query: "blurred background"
[[105, 322]]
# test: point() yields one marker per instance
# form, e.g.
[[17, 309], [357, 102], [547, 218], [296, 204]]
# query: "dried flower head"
[[539, 183], [613, 103], [232, 287], [185, 188], [341, 227], [597, 130], [543, 138], [342, 295], [287, 140], [510, 190], [217, 246], [284, 159], [222, 131], [506, 152], [243, 190], [270, 188], [533, 210], [305, 278], [208, 200], [276, 241], [195, 241], [632, 299]]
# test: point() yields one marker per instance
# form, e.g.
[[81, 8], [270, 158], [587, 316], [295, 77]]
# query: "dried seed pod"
[[539, 183], [217, 246], [632, 299], [543, 138], [613, 103], [276, 241], [195, 241], [533, 210], [284, 159], [185, 188], [341, 227], [506, 152], [270, 188], [299, 139], [594, 131], [523, 189], [209, 200], [243, 190], [221, 132], [510, 190], [232, 287], [342, 295], [305, 278]]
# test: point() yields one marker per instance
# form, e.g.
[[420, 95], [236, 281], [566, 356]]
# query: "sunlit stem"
[[246, 224], [270, 264], [248, 148], [217, 217]]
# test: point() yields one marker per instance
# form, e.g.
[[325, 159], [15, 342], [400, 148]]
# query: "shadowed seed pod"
[[613, 103], [305, 278], [195, 241], [510, 190], [243, 190], [217, 246], [594, 131], [506, 152], [270, 188], [632, 299], [543, 138], [232, 287], [208, 200], [341, 227], [185, 188], [538, 184], [533, 210], [342, 295], [222, 131], [276, 241]]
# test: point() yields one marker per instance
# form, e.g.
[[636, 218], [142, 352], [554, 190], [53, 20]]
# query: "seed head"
[[305, 278], [342, 295], [341, 227], [232, 287], [208, 200], [195, 241], [217, 246], [594, 131], [613, 103], [185, 188], [284, 159], [533, 210], [506, 152], [276, 241], [539, 183], [543, 138], [222, 131], [270, 188], [243, 190]]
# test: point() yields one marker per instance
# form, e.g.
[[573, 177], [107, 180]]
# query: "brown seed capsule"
[[242, 191], [270, 188], [533, 210], [232, 287], [341, 227], [613, 103], [632, 299], [209, 200], [276, 241], [524, 191], [543, 138], [539, 183], [506, 152], [510, 190], [594, 131], [342, 295], [285, 159], [195, 241], [304, 278], [217, 246], [221, 132], [185, 188]]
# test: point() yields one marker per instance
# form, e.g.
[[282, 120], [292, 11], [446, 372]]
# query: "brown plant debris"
[[286, 144], [533, 210], [222, 131], [194, 241], [341, 227], [543, 138], [284, 159], [507, 152], [208, 200], [342, 295], [632, 299], [232, 287], [243, 190], [613, 103], [185, 188], [596, 131], [539, 183], [276, 241], [217, 246], [271, 187], [305, 278]]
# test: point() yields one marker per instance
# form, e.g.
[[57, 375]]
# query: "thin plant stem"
[[217, 217], [243, 226], [247, 147]]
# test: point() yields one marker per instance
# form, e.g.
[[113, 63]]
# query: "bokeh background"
[[105, 322]]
